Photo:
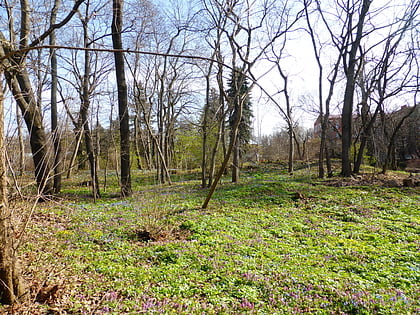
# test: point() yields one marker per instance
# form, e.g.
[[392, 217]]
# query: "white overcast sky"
[[303, 75]]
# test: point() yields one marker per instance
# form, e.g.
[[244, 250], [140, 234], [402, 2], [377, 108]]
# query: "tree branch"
[[58, 25]]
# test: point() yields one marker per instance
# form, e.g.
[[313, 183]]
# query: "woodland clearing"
[[272, 244]]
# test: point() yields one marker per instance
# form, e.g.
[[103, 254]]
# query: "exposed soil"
[[384, 180], [162, 235]]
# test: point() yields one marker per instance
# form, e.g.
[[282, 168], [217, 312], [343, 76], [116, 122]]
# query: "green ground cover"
[[273, 244]]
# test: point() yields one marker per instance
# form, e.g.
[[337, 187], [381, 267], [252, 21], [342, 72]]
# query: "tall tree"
[[116, 27], [388, 74], [214, 104], [15, 70], [57, 166], [324, 105], [350, 62], [246, 48], [85, 96]]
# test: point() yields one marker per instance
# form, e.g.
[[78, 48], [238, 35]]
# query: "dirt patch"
[[413, 166], [388, 180], [161, 235]]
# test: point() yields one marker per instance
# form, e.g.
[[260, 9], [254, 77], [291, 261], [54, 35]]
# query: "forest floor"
[[271, 244]]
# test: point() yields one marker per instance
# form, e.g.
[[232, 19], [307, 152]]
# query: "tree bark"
[[84, 111], [18, 81], [234, 138], [19, 84], [57, 166], [347, 111], [17, 78], [137, 138], [116, 27], [236, 161], [20, 140], [367, 128]]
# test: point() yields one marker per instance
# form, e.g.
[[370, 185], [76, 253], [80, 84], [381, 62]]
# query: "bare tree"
[[144, 19], [351, 23], [350, 59], [387, 72], [57, 166], [364, 55], [323, 105], [85, 72], [116, 27], [85, 105], [162, 89], [205, 126], [14, 63], [285, 111], [393, 134], [214, 111], [246, 48]]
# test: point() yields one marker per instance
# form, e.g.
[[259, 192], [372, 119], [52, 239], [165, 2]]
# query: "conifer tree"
[[239, 108]]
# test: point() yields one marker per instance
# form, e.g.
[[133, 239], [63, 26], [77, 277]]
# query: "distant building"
[[407, 141]]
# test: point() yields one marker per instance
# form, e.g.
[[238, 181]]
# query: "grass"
[[273, 244]]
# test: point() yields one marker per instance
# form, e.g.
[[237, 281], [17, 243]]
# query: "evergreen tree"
[[239, 108]]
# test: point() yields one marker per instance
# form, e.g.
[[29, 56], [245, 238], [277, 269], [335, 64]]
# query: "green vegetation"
[[269, 245]]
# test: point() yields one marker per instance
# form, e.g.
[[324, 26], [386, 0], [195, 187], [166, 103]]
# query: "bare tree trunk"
[[57, 166], [116, 28], [204, 149], [147, 143], [78, 133], [347, 112], [214, 152], [12, 287], [291, 149], [235, 161], [367, 128], [221, 117], [18, 81], [160, 159], [88, 140], [137, 139], [33, 120], [20, 140], [300, 152], [234, 137], [84, 112], [79, 137], [220, 131], [322, 146], [205, 130], [289, 119], [17, 78], [328, 159]]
